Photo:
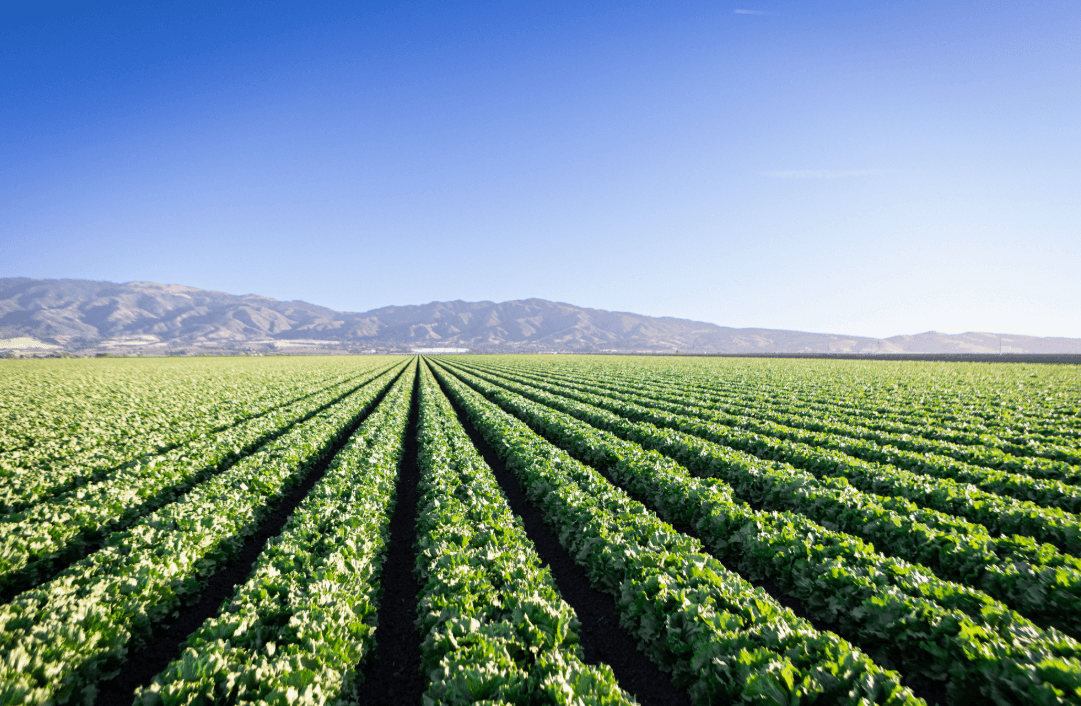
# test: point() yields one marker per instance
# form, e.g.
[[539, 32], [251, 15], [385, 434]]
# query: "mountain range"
[[41, 315]]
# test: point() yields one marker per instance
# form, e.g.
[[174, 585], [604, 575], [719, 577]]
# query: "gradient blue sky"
[[851, 167]]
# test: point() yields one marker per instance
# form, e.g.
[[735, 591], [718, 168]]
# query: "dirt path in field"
[[393, 676]]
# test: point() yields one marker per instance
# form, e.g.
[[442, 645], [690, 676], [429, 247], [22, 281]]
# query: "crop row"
[[1022, 398], [46, 535], [903, 615], [1043, 458], [1047, 481], [1019, 440], [26, 487], [1040, 582], [98, 411], [1007, 449], [493, 623], [720, 637], [938, 400], [1030, 402], [1000, 515], [305, 618], [59, 639]]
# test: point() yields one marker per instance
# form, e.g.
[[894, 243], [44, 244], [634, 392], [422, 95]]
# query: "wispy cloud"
[[753, 12], [823, 173]]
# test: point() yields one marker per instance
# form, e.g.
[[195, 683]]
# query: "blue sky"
[[867, 168]]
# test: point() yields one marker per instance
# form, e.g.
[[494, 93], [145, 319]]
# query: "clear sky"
[[871, 168]]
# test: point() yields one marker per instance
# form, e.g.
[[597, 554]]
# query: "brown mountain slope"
[[82, 314]]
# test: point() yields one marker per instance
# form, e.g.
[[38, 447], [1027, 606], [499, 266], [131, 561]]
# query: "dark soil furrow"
[[38, 573], [393, 675], [602, 638], [167, 642]]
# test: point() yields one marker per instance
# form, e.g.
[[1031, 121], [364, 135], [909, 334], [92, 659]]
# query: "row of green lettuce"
[[1040, 454], [1024, 401], [54, 410], [296, 630], [999, 514], [94, 415], [851, 393], [1022, 440], [1039, 581], [720, 638], [43, 537], [494, 626], [905, 617], [1044, 481], [62, 637], [192, 421]]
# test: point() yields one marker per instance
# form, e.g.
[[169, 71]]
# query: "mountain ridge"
[[87, 315]]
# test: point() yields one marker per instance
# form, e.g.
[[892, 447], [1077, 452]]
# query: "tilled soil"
[[393, 675]]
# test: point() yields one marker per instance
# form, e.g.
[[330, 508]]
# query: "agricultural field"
[[539, 530]]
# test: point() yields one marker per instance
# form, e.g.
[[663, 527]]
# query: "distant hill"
[[37, 315]]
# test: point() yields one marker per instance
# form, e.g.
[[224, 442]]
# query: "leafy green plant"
[[719, 636], [493, 622], [293, 633], [977, 646]]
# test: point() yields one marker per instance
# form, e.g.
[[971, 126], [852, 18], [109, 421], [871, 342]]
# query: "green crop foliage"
[[769, 531]]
